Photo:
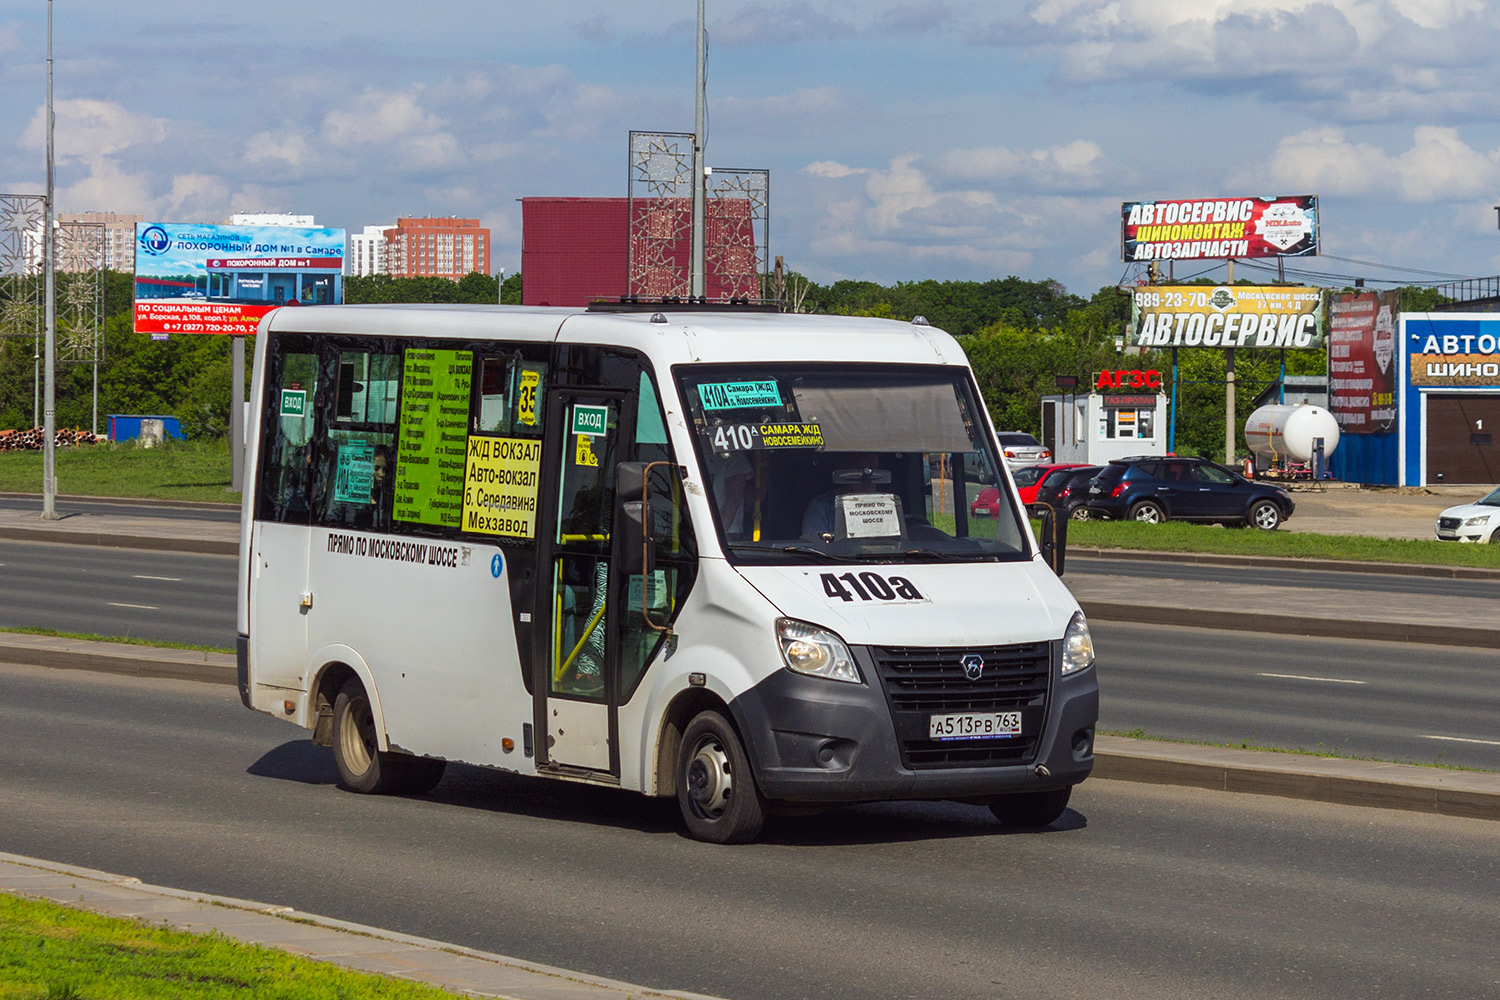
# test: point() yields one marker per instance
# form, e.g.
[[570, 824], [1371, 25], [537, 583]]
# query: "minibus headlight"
[[1078, 646], [817, 652]]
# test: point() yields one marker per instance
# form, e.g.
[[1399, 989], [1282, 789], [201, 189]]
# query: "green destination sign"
[[293, 402], [590, 420], [433, 436]]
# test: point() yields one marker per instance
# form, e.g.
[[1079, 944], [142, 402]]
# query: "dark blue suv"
[[1155, 489]]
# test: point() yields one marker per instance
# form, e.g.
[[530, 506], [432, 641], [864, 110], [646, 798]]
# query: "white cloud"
[[89, 129], [1077, 164], [376, 119], [291, 146], [1318, 52], [395, 126], [1439, 166], [833, 169], [798, 105], [907, 211]]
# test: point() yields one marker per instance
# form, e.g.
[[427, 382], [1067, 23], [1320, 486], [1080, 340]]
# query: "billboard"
[[1219, 228], [1362, 362], [223, 279], [1227, 316]]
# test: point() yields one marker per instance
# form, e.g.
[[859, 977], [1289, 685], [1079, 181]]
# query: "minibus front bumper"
[[816, 740]]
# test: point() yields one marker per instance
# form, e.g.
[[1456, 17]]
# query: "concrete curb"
[[1332, 628], [1470, 794], [129, 501], [326, 939], [117, 658], [198, 546]]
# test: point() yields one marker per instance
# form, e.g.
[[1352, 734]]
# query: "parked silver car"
[[1021, 449]]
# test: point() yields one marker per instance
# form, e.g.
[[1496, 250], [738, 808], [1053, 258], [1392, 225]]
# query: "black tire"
[[1264, 515], [1148, 512], [362, 767], [716, 791], [1031, 808], [1080, 514]]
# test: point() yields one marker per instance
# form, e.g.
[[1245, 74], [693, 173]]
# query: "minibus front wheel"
[[715, 790], [362, 766]]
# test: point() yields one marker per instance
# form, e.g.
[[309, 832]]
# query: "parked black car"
[[1156, 489], [1067, 490]]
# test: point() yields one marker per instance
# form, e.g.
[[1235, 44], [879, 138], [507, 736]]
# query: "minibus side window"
[[287, 438], [356, 438], [508, 396]]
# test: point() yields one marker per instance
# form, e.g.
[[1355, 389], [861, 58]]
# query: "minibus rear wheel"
[[363, 767], [1031, 808], [715, 790]]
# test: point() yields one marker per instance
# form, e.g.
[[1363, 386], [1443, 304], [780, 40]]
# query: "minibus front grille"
[[923, 681]]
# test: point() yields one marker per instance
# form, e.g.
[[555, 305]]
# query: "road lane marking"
[[143, 607], [137, 576], [1321, 680], [1460, 739]]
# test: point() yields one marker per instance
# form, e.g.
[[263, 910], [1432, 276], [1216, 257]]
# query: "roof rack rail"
[[680, 303]]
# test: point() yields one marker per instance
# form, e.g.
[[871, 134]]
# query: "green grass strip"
[[125, 640], [1322, 750], [1177, 536], [175, 470], [51, 952]]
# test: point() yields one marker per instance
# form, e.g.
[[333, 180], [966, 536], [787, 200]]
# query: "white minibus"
[[719, 554]]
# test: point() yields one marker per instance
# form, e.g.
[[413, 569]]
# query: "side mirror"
[[636, 553], [1054, 539]]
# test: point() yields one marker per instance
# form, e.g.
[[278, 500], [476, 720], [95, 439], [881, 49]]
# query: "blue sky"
[[921, 139]]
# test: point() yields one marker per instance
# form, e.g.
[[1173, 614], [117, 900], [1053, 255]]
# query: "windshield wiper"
[[809, 550]]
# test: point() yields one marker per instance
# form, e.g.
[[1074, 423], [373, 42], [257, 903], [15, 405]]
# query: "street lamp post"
[[697, 283], [49, 247]]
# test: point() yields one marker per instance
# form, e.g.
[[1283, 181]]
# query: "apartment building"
[[366, 252], [437, 247]]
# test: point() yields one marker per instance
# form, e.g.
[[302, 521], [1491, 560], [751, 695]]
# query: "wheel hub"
[[708, 779]]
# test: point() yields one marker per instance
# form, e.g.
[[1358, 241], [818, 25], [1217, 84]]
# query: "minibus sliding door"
[[576, 687]]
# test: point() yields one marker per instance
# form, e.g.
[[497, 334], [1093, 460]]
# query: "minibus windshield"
[[844, 463]]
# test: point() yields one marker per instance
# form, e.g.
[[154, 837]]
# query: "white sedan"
[[1472, 522]]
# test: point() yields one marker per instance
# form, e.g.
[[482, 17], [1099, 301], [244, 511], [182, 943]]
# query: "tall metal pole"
[[700, 185], [1229, 391], [49, 402]]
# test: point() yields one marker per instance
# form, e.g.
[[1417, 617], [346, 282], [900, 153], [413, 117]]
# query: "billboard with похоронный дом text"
[[201, 279]]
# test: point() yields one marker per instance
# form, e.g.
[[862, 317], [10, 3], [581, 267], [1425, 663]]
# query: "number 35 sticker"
[[870, 587]]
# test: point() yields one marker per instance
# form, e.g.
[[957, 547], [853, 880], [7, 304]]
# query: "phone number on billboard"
[[1171, 300]]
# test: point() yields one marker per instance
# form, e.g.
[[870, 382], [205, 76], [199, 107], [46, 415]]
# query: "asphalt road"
[[1424, 704], [1388, 700], [161, 596], [1139, 892]]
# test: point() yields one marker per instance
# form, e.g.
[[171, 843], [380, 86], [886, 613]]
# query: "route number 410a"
[[868, 586]]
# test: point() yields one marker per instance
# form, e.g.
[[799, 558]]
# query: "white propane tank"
[[1287, 433]]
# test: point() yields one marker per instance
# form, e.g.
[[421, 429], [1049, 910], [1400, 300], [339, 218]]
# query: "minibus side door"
[[578, 644], [279, 591]]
